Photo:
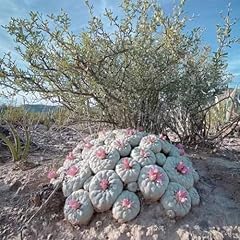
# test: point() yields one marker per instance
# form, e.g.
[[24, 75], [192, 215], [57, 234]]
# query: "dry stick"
[[227, 127], [40, 209]]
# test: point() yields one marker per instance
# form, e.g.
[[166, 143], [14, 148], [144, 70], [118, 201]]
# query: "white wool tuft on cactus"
[[116, 168]]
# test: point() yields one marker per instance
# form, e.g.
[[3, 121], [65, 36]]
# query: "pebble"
[[151, 230], [217, 235], [197, 227], [15, 185], [183, 235], [123, 228], [49, 237], [98, 224]]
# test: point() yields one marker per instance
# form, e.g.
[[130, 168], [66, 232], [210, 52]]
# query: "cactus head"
[[74, 204], [130, 131], [52, 174], [126, 203], [72, 171], [181, 196], [101, 153], [127, 164], [182, 168], [104, 184], [155, 176]]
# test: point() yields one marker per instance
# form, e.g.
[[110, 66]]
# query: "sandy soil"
[[217, 217]]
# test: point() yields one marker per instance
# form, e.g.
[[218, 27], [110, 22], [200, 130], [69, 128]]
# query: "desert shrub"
[[13, 115], [145, 71], [19, 150], [19, 115], [61, 116], [225, 108]]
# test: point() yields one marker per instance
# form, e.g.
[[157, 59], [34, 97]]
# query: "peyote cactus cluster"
[[117, 168]]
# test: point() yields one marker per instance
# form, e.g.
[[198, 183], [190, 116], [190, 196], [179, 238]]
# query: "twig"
[[39, 210], [225, 128]]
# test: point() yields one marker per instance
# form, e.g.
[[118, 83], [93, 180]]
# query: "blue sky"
[[206, 11]]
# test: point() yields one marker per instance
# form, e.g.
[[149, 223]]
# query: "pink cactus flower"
[[52, 174], [119, 143], [180, 146], [127, 164], [141, 129], [70, 156], [72, 171], [163, 137], [152, 139], [182, 152], [155, 176], [101, 153], [74, 204], [130, 131], [104, 184], [88, 145], [127, 203], [143, 153], [181, 196], [182, 168]]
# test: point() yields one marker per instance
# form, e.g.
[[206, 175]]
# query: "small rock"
[[217, 235], [98, 224], [123, 228], [197, 227], [151, 230], [49, 237], [183, 235], [155, 237], [15, 185]]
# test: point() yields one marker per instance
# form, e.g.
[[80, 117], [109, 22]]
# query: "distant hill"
[[40, 108]]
